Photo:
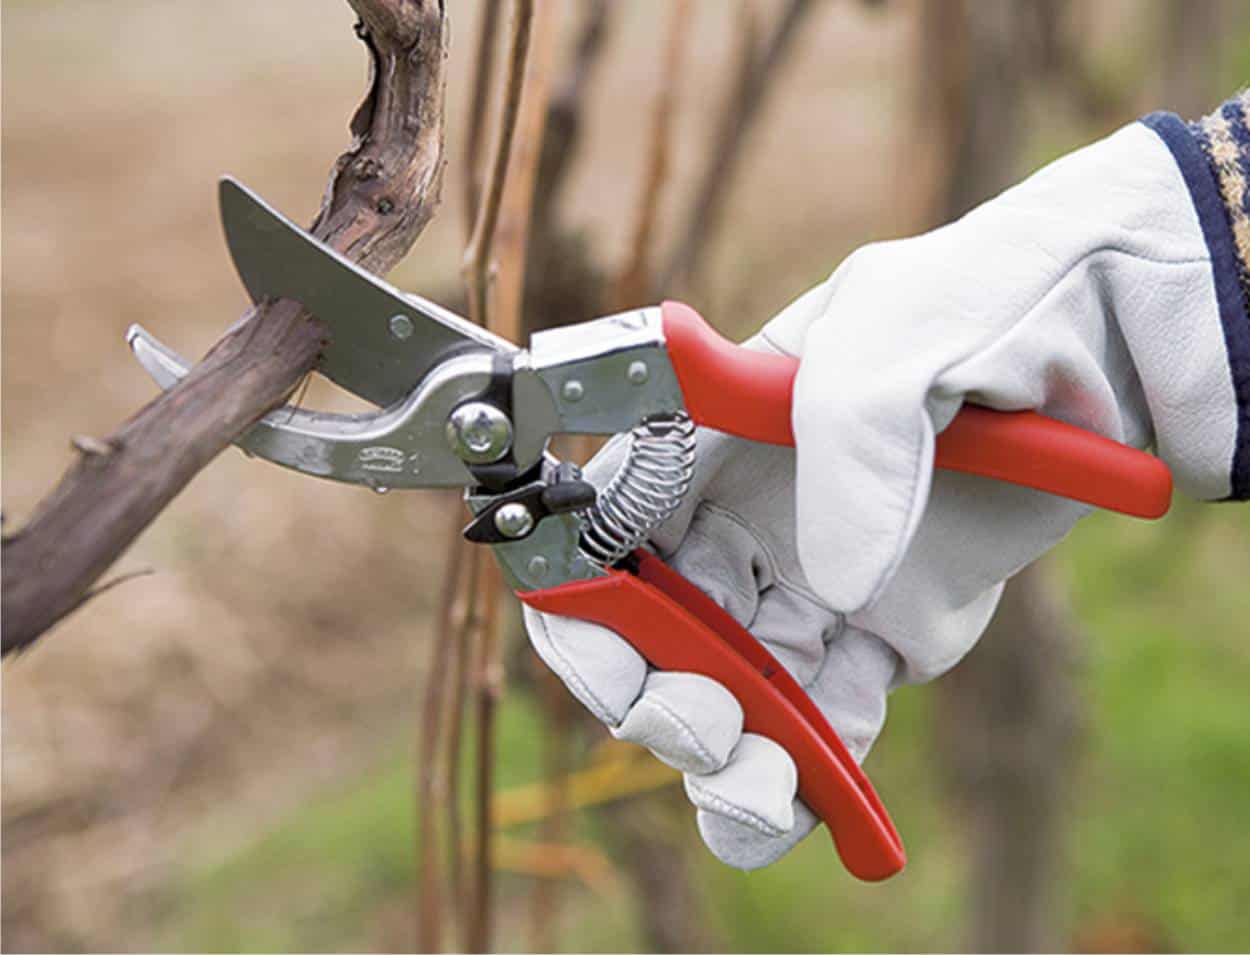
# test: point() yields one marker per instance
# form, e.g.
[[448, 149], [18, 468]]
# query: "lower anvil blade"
[[398, 447]]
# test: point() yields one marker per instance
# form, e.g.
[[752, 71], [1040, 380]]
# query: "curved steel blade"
[[400, 447], [383, 342]]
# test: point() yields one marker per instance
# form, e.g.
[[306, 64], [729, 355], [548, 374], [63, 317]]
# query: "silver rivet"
[[572, 390], [380, 489], [479, 432], [401, 326], [514, 520], [637, 373], [537, 566]]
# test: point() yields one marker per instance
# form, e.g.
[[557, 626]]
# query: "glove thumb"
[[865, 445]]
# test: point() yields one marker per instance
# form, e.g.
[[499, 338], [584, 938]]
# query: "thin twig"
[[504, 318], [476, 637], [633, 285], [741, 110], [512, 232], [456, 676], [488, 676], [479, 100], [564, 118], [117, 581], [430, 749], [557, 765], [109, 585], [468, 620], [477, 255]]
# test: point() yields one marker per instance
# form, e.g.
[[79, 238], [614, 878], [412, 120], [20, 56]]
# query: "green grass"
[[316, 882], [1158, 834]]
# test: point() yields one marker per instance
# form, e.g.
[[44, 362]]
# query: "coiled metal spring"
[[647, 490]]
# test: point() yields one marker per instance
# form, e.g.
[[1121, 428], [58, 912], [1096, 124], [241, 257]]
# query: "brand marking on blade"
[[381, 458]]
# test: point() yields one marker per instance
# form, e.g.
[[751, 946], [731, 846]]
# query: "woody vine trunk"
[[381, 193]]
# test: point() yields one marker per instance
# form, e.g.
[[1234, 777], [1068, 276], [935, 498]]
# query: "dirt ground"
[[275, 647]]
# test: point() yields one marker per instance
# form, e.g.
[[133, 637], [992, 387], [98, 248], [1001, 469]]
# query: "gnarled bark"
[[382, 191]]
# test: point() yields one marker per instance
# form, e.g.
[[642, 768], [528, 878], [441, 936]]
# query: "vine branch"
[[381, 193]]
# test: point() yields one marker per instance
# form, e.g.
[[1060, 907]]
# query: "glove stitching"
[[723, 807], [574, 681], [773, 344], [774, 565], [684, 730], [782, 580]]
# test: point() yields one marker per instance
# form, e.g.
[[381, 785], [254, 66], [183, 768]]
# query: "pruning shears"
[[462, 407]]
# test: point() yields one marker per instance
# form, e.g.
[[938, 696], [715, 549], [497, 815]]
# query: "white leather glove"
[[1085, 293]]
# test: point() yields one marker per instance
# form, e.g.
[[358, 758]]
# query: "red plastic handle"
[[677, 627], [747, 393]]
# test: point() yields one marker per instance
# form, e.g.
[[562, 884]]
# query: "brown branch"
[[557, 759], [741, 111], [563, 284], [479, 98], [502, 230], [564, 117], [477, 255], [488, 677], [512, 232], [442, 886], [463, 636], [467, 636], [381, 193], [432, 782], [633, 285]]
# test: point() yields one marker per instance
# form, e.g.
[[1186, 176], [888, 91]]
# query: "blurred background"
[[221, 755]]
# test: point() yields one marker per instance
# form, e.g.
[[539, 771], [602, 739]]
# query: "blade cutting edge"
[[383, 342]]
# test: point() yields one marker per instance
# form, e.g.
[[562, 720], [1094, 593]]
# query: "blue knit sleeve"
[[1214, 157]]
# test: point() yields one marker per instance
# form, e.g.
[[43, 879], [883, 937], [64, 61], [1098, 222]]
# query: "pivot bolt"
[[401, 326], [514, 520], [479, 433], [637, 373], [572, 390]]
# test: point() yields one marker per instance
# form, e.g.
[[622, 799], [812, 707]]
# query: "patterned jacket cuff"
[[1214, 158]]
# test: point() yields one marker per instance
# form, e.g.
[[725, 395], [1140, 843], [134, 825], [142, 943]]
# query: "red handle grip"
[[677, 627], [747, 393]]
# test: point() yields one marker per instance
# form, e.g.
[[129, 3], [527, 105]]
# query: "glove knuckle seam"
[[684, 730], [746, 526], [723, 807], [775, 564]]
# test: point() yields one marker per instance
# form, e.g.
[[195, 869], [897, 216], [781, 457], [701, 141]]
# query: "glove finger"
[[796, 629], [724, 560], [852, 522], [745, 847], [974, 535], [755, 788], [851, 686], [688, 721], [599, 667]]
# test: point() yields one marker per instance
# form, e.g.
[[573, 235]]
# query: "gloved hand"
[[1085, 293]]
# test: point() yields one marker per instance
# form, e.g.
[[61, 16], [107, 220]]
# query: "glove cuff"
[[1214, 159]]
